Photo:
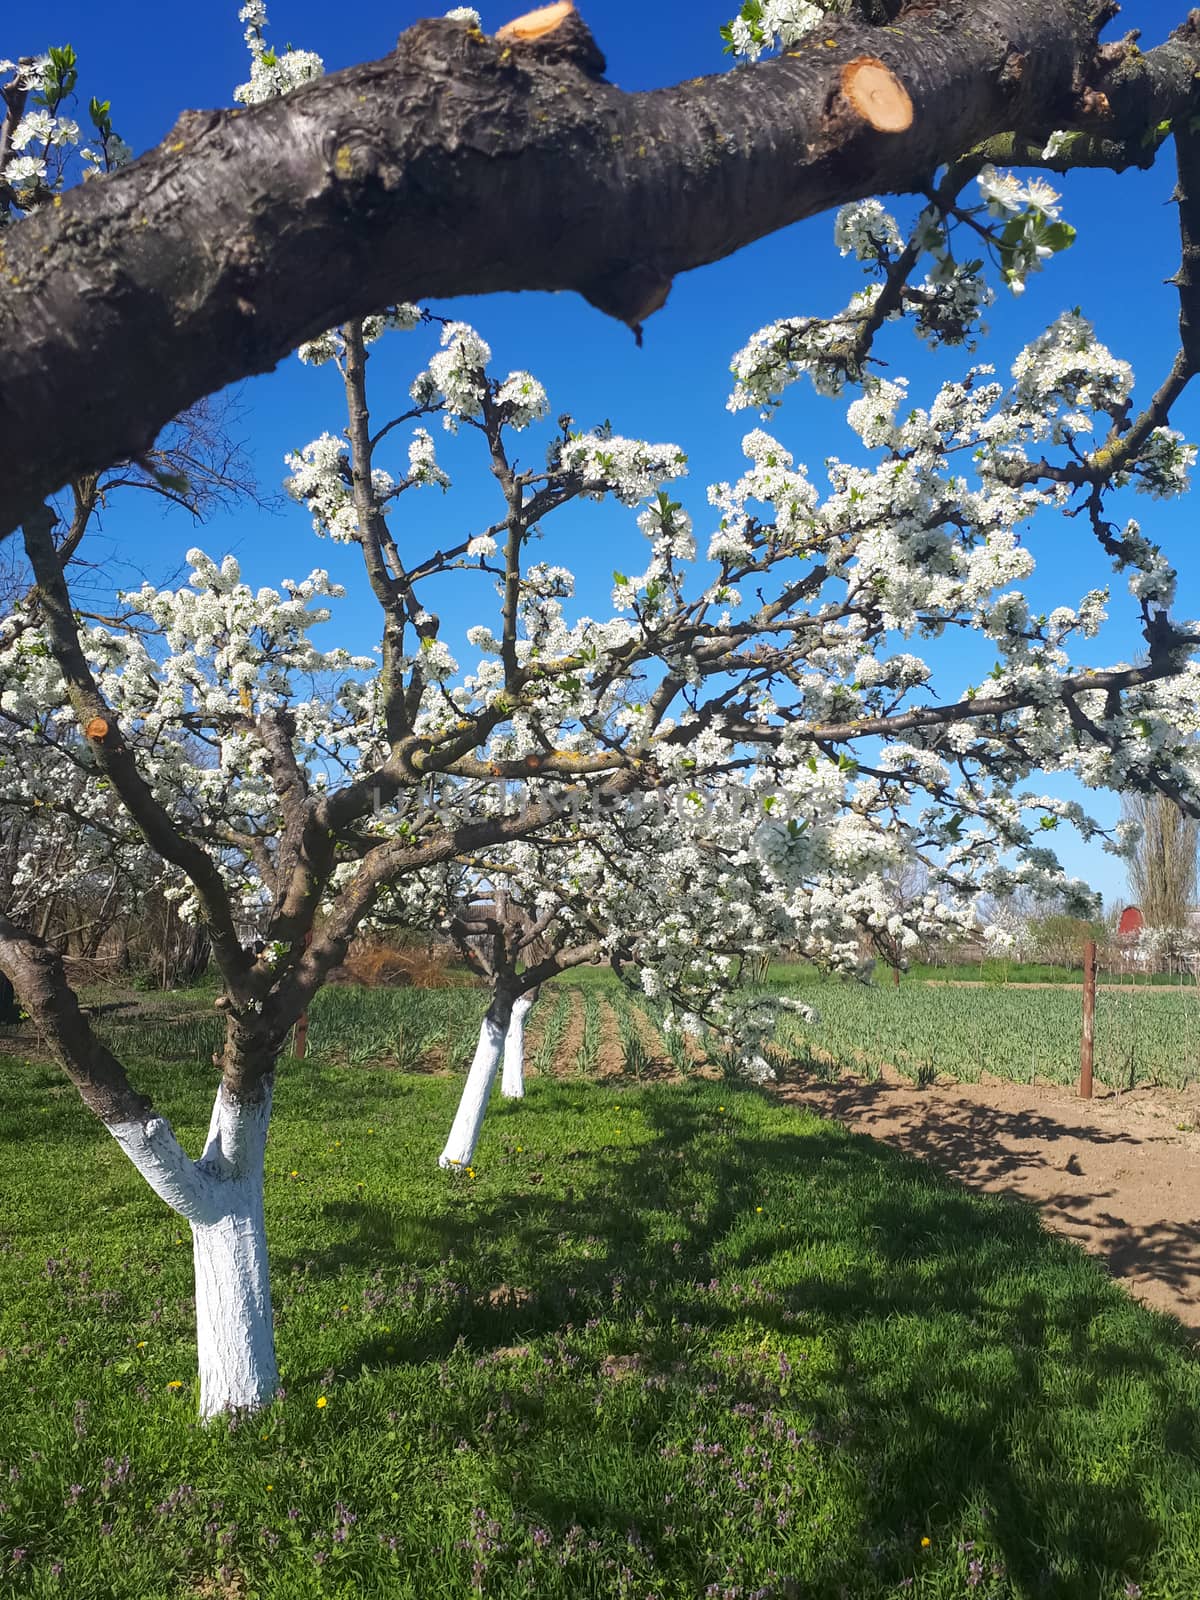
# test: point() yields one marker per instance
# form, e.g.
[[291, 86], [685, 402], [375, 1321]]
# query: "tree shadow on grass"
[[969, 1360], [1014, 1152]]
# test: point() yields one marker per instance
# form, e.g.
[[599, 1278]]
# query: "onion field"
[[401, 1028], [1143, 1036]]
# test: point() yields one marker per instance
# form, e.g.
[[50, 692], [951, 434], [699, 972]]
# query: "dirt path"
[[572, 1040], [611, 1061], [1119, 1174]]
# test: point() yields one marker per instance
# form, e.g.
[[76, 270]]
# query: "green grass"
[[556, 1014], [670, 1338]]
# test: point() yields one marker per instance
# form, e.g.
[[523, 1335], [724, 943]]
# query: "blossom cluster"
[[762, 25], [272, 73], [45, 148]]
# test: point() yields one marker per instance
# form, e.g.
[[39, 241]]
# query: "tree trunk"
[[235, 1335], [512, 1085], [221, 1197], [464, 1133]]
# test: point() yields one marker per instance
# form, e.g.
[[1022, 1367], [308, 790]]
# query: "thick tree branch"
[[463, 165], [579, 955], [114, 757], [36, 971], [393, 590]]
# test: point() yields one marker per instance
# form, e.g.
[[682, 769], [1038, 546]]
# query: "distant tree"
[[1060, 938], [1162, 871]]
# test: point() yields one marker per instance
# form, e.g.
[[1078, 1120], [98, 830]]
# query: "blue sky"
[[154, 62]]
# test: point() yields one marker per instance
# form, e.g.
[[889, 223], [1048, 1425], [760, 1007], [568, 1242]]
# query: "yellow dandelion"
[[345, 1308], [925, 1542], [141, 1344], [295, 1174], [175, 1383], [758, 1209], [321, 1402], [270, 1488], [720, 1108], [520, 1148]]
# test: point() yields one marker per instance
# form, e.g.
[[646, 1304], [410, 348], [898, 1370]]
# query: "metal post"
[[1087, 1045]]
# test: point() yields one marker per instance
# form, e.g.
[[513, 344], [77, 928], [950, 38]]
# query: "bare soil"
[[611, 1061], [572, 1040], [1119, 1174]]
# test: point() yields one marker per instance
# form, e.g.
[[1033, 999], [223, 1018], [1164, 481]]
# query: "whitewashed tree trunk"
[[464, 1132], [234, 1330], [221, 1197], [512, 1082]]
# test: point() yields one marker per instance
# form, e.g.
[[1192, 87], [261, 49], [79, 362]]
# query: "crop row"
[[923, 1030], [1020, 1034]]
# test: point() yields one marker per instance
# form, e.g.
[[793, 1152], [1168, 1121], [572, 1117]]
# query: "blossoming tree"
[[683, 894], [288, 788]]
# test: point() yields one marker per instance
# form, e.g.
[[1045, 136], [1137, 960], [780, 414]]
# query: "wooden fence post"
[[1088, 1042]]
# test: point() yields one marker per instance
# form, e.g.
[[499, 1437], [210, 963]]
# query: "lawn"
[[670, 1341]]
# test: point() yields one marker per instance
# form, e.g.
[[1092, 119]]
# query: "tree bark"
[[464, 165], [10, 1012], [468, 1120], [221, 1198], [235, 1336], [116, 760], [36, 971], [512, 1083]]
